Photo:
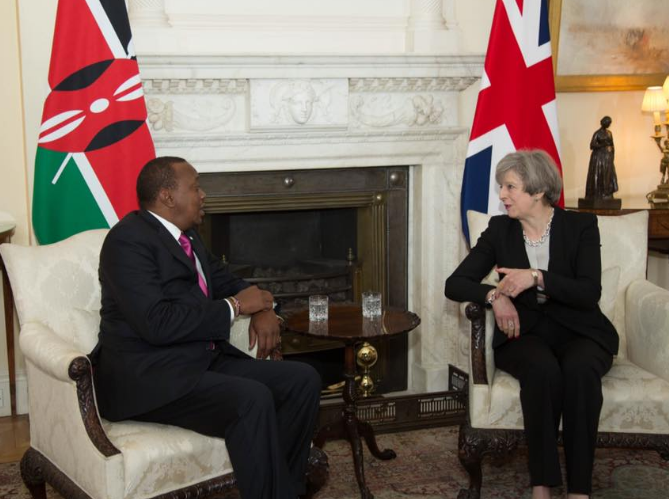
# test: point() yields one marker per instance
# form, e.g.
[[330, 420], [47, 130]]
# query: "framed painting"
[[604, 45]]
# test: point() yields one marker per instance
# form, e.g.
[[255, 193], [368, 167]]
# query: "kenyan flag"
[[94, 138]]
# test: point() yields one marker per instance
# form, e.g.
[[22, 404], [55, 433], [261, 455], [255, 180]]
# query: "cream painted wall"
[[13, 183], [474, 20], [36, 35], [24, 89], [13, 189]]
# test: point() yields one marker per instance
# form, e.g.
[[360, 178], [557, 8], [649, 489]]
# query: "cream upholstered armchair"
[[635, 413], [57, 296]]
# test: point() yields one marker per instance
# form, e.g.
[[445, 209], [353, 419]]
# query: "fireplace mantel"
[[462, 70], [295, 112]]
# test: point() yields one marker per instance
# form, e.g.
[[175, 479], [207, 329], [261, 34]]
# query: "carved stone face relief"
[[300, 102]]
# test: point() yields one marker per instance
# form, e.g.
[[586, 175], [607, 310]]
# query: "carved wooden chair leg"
[[474, 443], [470, 455], [31, 473], [317, 472]]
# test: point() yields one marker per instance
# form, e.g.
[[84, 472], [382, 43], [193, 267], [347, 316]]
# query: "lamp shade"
[[665, 87], [654, 100]]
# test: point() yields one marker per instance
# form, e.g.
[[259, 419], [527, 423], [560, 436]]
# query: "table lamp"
[[655, 101]]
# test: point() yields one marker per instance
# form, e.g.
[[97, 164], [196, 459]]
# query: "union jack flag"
[[94, 138], [516, 106]]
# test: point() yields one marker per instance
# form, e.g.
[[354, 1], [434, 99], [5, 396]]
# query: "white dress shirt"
[[176, 233]]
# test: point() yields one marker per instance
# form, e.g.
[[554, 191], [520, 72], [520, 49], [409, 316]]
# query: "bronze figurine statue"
[[602, 180]]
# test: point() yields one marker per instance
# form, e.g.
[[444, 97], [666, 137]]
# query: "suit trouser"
[[560, 376], [265, 410]]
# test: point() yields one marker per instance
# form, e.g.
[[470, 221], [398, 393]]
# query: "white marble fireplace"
[[259, 112]]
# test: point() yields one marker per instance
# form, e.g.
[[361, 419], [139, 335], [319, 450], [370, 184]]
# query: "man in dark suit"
[[163, 353]]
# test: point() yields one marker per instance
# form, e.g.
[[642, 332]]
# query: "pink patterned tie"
[[184, 241]]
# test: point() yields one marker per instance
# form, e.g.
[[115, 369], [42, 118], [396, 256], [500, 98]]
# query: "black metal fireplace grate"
[[392, 413]]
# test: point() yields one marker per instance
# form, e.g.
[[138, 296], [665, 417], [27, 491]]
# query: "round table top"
[[6, 229], [346, 323]]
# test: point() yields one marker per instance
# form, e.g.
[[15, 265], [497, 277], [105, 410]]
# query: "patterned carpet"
[[427, 467]]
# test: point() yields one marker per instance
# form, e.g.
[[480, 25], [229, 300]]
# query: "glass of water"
[[318, 308], [371, 304]]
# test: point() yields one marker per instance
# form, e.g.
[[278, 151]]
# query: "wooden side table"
[[659, 246], [346, 324], [6, 233]]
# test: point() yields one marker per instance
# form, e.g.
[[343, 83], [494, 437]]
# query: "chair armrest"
[[647, 327], [476, 315], [61, 363], [239, 334], [44, 348], [239, 338], [482, 360]]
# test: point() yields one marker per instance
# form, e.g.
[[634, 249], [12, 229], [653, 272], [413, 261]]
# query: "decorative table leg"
[[351, 423], [367, 432], [9, 330]]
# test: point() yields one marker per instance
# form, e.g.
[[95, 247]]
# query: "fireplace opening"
[[295, 254], [334, 232], [285, 238]]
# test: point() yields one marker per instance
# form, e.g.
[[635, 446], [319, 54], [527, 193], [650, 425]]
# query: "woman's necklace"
[[543, 237]]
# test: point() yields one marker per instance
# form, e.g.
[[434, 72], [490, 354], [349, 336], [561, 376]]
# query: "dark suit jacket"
[[156, 323], [572, 280]]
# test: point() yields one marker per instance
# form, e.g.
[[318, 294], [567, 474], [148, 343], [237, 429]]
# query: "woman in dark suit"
[[550, 333]]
